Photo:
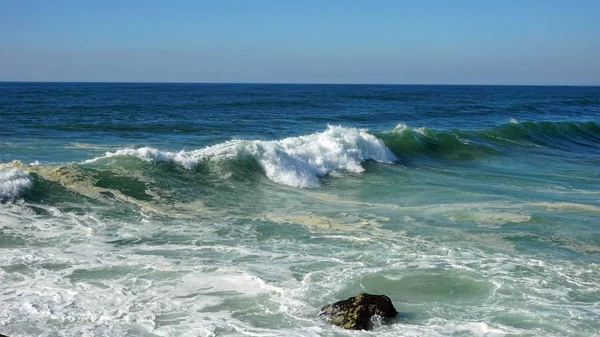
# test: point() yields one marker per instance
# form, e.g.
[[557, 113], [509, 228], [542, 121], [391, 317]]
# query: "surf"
[[508, 139], [295, 161]]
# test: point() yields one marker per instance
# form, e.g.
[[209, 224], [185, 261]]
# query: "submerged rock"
[[355, 313]]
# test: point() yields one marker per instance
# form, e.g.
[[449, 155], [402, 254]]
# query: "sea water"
[[242, 209]]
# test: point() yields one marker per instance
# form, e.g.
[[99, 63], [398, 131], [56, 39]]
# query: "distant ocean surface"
[[241, 210]]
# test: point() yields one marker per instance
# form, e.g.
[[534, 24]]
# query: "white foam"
[[295, 161], [553, 206], [13, 182], [480, 329], [84, 285], [403, 127], [400, 127], [223, 280]]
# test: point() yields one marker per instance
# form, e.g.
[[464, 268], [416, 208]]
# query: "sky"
[[306, 41]]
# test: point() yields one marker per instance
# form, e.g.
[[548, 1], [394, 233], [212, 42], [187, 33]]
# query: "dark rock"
[[355, 313]]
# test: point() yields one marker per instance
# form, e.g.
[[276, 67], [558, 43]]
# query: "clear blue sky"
[[307, 41]]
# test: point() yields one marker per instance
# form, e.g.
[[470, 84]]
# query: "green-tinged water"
[[231, 210]]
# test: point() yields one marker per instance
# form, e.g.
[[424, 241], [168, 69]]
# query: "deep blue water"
[[197, 115], [232, 209]]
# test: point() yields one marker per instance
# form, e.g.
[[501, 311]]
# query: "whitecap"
[[13, 182], [295, 161]]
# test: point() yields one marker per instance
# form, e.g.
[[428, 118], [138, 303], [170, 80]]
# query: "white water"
[[195, 278], [295, 161], [13, 182], [454, 259]]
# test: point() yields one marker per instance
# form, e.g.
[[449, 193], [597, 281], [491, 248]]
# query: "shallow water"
[[215, 210]]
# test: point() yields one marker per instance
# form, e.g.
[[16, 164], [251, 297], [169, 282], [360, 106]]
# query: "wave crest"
[[13, 182], [295, 161], [507, 139]]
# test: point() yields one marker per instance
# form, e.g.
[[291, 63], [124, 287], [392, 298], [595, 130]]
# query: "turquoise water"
[[232, 210]]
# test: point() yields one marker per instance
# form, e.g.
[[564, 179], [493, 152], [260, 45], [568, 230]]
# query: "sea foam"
[[13, 182], [295, 161]]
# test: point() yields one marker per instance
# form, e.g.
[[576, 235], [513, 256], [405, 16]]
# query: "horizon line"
[[304, 83]]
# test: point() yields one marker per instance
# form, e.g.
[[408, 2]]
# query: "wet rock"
[[355, 313]]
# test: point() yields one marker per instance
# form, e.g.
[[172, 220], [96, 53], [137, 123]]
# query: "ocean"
[[242, 209]]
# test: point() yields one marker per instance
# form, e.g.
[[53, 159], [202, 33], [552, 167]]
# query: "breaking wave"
[[13, 182], [295, 161]]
